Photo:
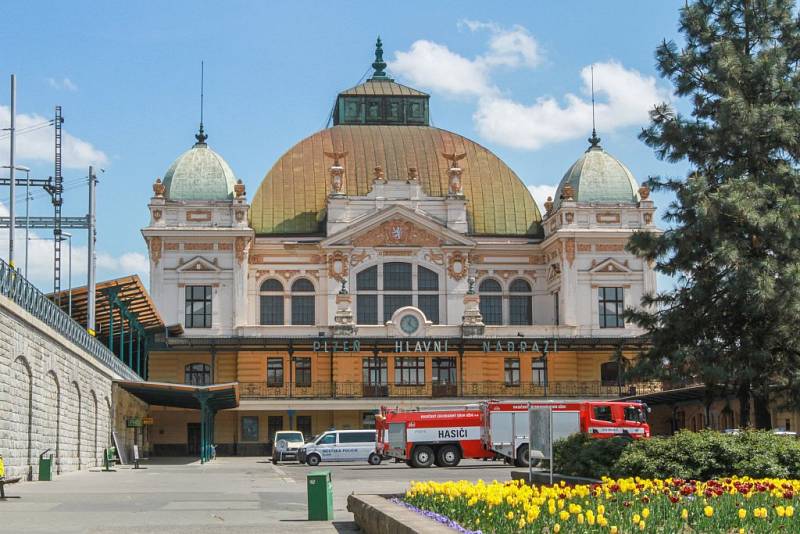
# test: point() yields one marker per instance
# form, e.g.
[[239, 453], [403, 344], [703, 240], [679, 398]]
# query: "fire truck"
[[423, 437], [444, 436], [505, 425]]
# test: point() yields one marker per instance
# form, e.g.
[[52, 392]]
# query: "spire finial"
[[201, 135], [593, 140], [379, 65]]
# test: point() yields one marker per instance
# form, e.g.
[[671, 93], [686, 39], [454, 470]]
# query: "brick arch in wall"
[[78, 426], [53, 415], [93, 426], [22, 410]]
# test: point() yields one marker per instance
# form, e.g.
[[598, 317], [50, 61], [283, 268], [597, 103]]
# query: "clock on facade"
[[409, 324]]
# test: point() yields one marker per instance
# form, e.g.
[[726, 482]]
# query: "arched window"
[[197, 374], [271, 297], [382, 289], [491, 303], [520, 305], [302, 302]]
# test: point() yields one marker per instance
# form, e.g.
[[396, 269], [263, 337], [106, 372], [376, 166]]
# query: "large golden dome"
[[292, 197]]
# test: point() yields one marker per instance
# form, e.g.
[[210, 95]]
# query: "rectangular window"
[[520, 310], [274, 424], [302, 372], [275, 372], [198, 307], [492, 309], [249, 428], [612, 305], [443, 371], [556, 309], [538, 372], [303, 310], [429, 304], [368, 420], [511, 368], [271, 309], [304, 425], [374, 371], [603, 413], [392, 303], [409, 371], [356, 437], [367, 309], [397, 276]]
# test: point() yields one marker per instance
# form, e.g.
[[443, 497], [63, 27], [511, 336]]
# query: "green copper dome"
[[199, 174], [599, 177]]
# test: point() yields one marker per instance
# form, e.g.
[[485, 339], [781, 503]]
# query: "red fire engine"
[[443, 436], [505, 425]]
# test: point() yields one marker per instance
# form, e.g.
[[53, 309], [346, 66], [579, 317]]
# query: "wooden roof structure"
[[131, 291]]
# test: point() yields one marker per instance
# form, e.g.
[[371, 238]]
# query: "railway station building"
[[386, 262]]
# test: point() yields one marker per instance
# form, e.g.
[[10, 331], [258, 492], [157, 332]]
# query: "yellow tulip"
[[636, 518], [684, 514], [780, 510], [789, 511], [510, 515], [641, 525], [742, 513], [614, 529], [646, 513], [708, 511], [556, 528]]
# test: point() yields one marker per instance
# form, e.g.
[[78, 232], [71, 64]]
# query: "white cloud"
[[40, 261], [541, 193], [626, 97], [434, 66], [37, 144], [64, 83]]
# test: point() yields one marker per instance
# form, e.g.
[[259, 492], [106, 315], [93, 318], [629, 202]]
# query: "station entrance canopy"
[[208, 399]]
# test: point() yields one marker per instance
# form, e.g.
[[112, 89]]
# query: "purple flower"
[[436, 517]]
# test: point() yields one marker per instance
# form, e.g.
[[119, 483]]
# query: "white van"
[[341, 446]]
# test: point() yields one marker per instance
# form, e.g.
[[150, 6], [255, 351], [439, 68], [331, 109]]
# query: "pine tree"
[[733, 243]]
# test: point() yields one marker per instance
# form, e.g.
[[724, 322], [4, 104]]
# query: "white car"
[[286, 444], [341, 446]]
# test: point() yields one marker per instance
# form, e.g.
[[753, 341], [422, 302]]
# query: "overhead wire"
[[28, 129]]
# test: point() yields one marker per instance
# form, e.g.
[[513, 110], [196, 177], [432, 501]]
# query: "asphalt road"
[[226, 495]]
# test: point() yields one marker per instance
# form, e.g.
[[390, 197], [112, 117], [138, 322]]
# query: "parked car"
[[341, 446], [286, 445]]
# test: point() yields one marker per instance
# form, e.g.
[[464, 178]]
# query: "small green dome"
[[199, 174], [599, 177]]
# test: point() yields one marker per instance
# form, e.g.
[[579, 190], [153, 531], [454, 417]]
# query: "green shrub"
[[582, 456], [708, 454], [699, 455]]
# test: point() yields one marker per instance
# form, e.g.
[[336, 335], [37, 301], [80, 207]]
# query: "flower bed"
[[730, 505]]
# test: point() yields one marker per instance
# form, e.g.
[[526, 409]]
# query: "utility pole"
[[90, 285], [13, 182]]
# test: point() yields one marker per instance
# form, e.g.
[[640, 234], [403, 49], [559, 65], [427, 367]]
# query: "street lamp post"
[[27, 172]]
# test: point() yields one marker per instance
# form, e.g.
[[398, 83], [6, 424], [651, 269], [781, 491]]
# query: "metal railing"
[[14, 286], [482, 390]]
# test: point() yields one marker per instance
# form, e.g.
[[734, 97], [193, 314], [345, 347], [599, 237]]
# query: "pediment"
[[198, 264], [609, 265], [397, 226]]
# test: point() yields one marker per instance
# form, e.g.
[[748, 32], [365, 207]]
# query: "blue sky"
[[510, 75]]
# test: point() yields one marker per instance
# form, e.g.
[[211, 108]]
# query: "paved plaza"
[[229, 494]]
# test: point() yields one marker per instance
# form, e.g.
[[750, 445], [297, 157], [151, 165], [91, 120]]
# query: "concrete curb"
[[375, 514]]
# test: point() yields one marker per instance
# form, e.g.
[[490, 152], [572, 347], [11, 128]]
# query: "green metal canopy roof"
[[220, 396], [597, 176]]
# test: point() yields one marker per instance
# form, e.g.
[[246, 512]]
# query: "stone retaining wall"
[[52, 396], [375, 514]]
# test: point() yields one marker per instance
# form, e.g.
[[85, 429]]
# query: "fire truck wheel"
[[422, 456], [448, 456], [313, 460], [523, 456], [374, 459]]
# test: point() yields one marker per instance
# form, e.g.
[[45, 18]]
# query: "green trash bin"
[[46, 466], [320, 496]]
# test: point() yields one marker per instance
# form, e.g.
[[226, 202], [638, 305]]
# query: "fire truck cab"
[[423, 437], [505, 425]]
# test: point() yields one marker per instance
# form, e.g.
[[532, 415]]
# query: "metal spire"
[[379, 65], [201, 135], [593, 140]]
